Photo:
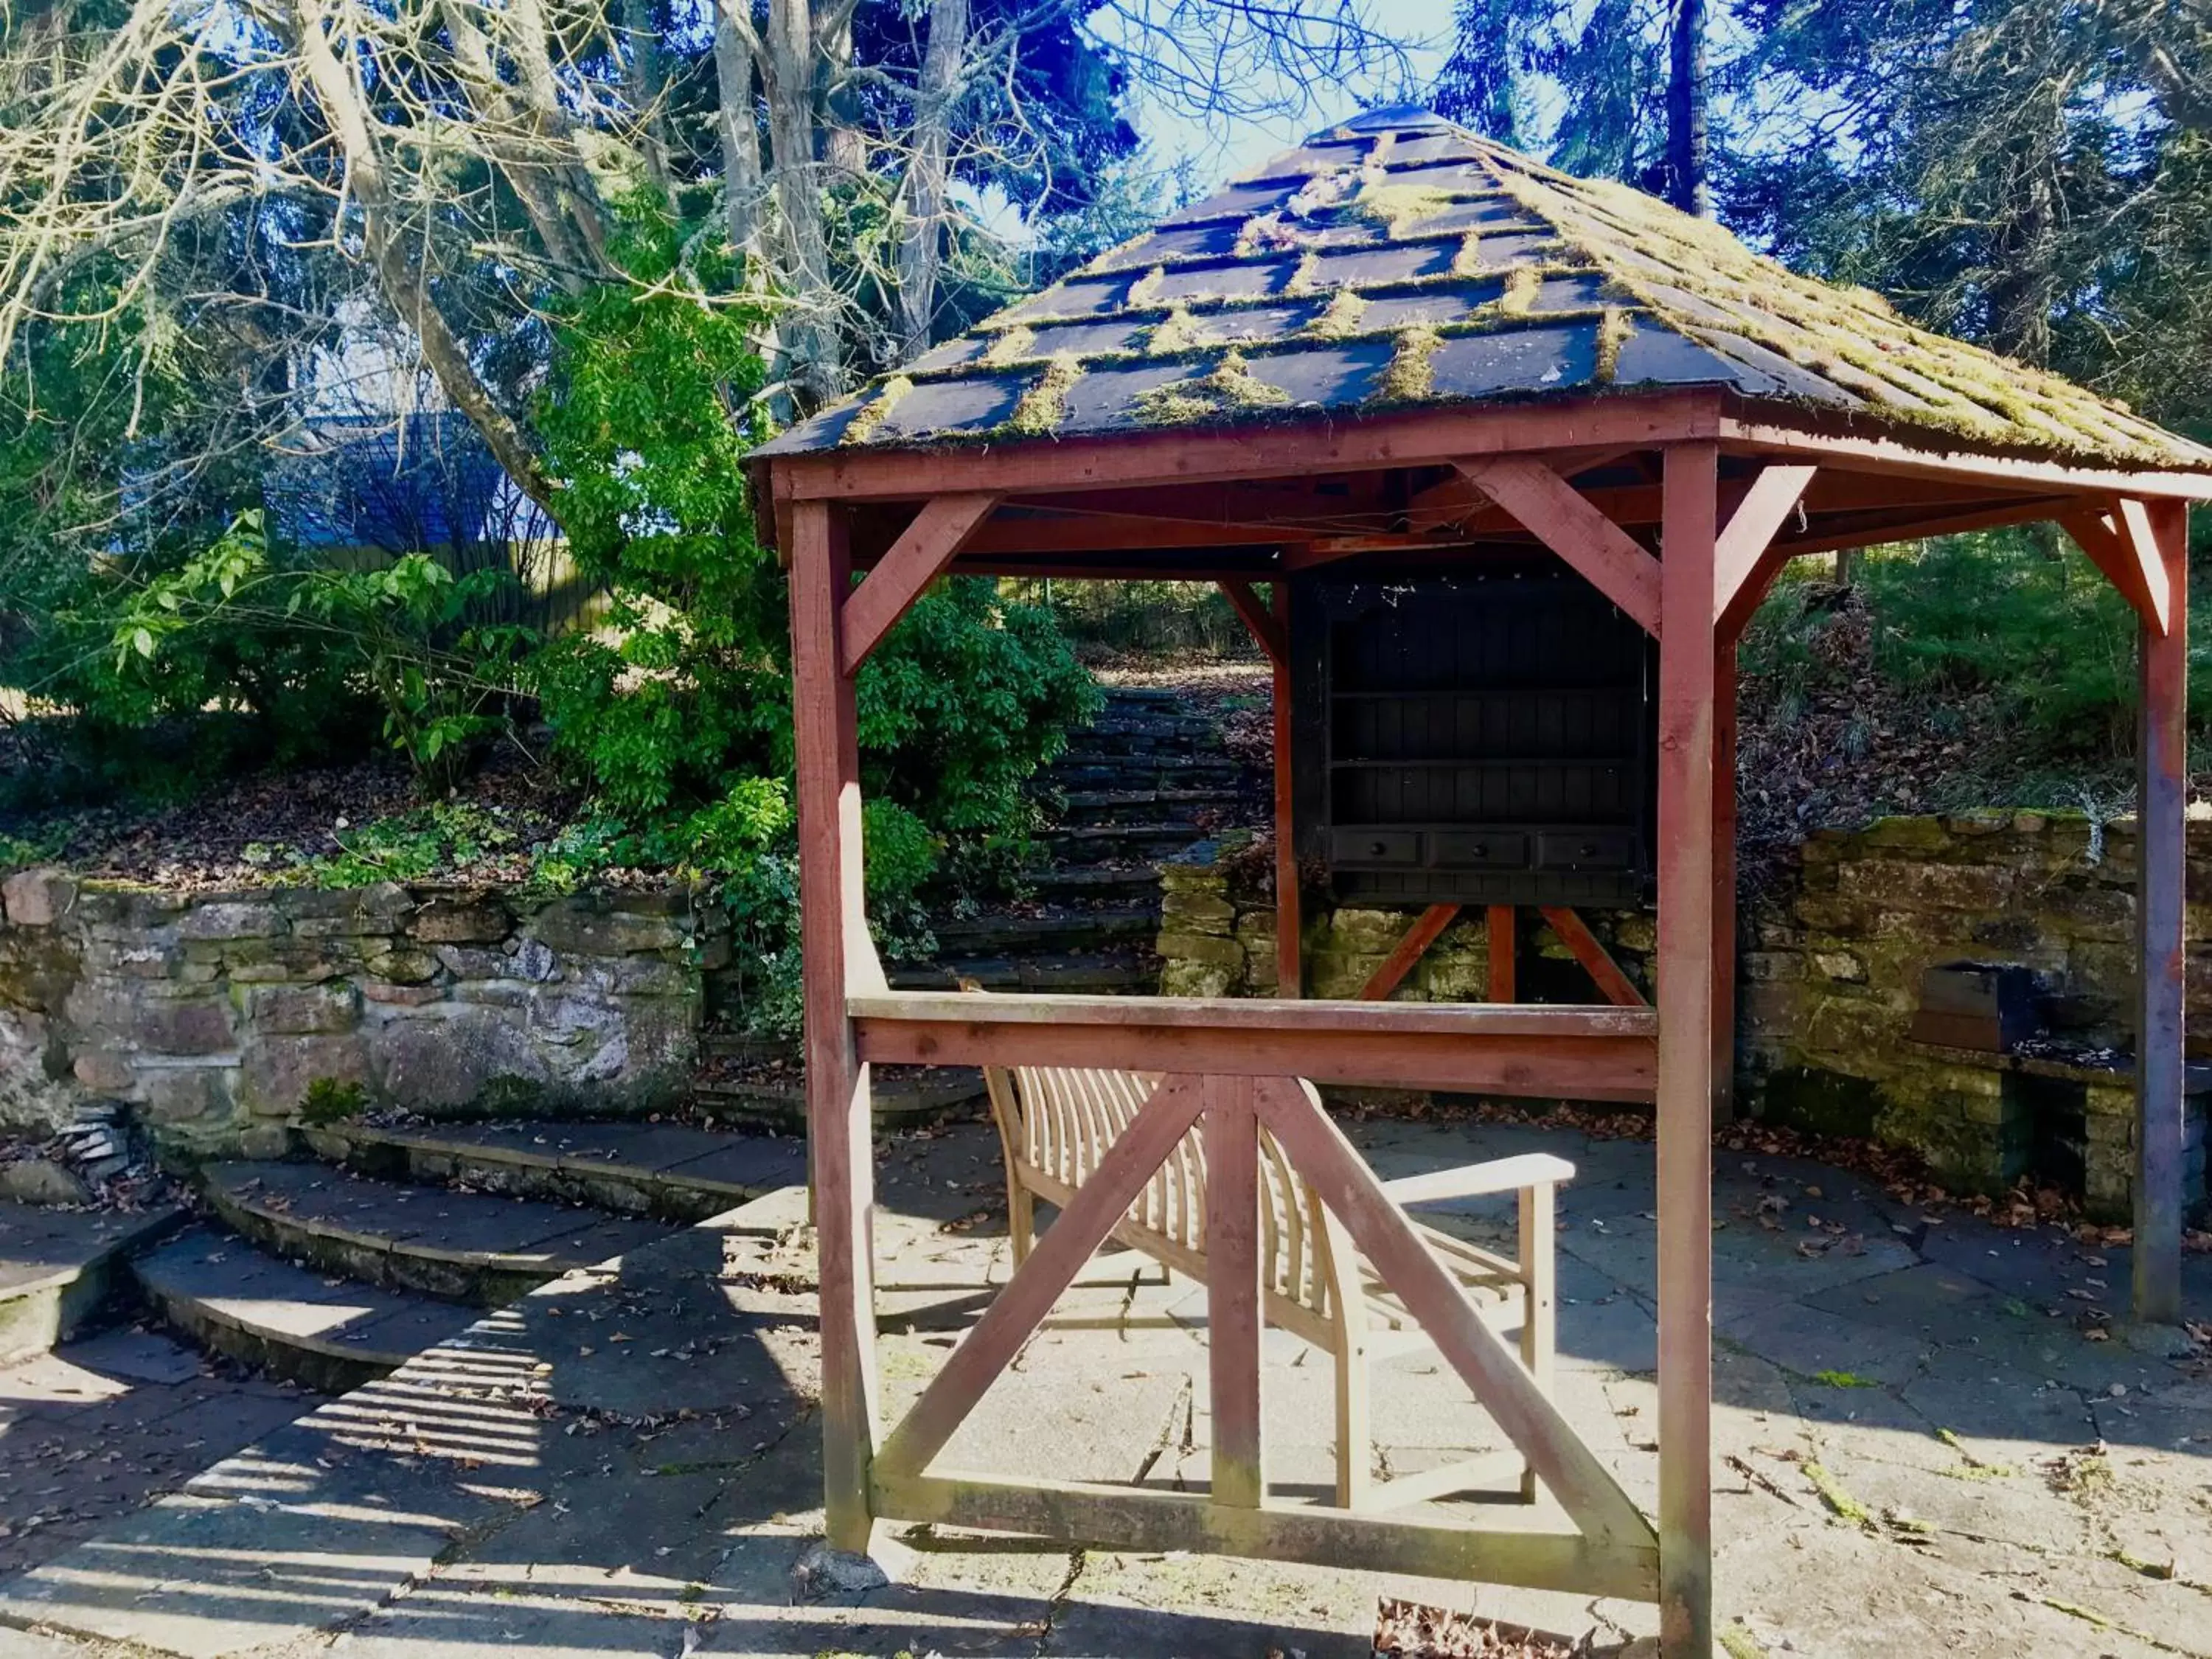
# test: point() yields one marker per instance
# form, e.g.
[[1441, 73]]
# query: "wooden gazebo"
[[1403, 345]]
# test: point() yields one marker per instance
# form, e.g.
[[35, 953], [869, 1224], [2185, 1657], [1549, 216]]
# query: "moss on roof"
[[1399, 259]]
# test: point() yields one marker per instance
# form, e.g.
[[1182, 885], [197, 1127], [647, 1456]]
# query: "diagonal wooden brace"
[[1051, 1268], [1742, 570], [916, 559], [1597, 961], [1426, 929], [1565, 521], [1255, 616], [1584, 1487], [2125, 546]]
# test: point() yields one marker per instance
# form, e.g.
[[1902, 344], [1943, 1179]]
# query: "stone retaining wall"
[[223, 1017], [1831, 977], [1217, 941]]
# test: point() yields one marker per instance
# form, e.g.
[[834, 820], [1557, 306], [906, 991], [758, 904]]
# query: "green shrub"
[[676, 717], [293, 637], [2016, 623]]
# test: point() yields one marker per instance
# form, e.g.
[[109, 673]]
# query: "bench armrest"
[[1504, 1174]]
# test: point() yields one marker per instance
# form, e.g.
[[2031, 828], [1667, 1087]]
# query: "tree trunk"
[[812, 360], [496, 105], [920, 240], [844, 145], [739, 133], [1687, 187], [529, 42], [645, 82], [405, 278]]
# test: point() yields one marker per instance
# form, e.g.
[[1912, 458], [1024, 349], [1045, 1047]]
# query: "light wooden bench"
[[1056, 1123]]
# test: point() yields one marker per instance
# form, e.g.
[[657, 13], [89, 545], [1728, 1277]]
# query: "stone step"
[[987, 935], [1120, 841], [1081, 752], [229, 1296], [58, 1267], [1099, 881], [467, 1247], [1085, 807], [903, 1099], [1073, 973], [1147, 737], [1142, 696], [669, 1171]]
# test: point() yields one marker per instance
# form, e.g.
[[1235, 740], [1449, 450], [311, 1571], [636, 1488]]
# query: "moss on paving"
[[1840, 1502]]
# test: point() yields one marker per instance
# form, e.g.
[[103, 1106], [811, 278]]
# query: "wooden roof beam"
[[1435, 437], [1046, 536], [1746, 427]]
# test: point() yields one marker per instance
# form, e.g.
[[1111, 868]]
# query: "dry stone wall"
[[224, 1018], [1219, 940], [1830, 967]]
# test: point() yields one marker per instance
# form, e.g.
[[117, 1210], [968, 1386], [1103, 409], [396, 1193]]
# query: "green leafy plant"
[[443, 839], [394, 632], [675, 716]]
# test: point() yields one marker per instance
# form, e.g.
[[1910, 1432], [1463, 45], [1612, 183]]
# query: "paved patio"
[[1919, 1450]]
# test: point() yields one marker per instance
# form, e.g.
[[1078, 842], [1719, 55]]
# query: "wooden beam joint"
[[1565, 521], [1253, 612], [916, 559]]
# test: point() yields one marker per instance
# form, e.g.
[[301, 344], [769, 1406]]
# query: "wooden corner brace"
[[2124, 544], [1565, 521], [1743, 562], [916, 559], [1267, 629]]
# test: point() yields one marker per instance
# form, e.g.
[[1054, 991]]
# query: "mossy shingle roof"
[[1397, 261]]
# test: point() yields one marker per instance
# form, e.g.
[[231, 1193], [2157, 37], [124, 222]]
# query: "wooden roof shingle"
[[1398, 260]]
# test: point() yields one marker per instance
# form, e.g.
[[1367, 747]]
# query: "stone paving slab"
[[595, 1496], [206, 1278], [203, 1578], [57, 1266], [84, 1439]]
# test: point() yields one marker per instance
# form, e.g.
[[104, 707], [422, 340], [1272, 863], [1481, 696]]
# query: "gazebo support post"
[[1724, 922], [2161, 796], [1290, 950], [1687, 974], [836, 954]]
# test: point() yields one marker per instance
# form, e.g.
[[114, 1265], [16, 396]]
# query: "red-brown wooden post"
[[1499, 927], [836, 955], [1290, 950], [2160, 913], [1233, 1291], [1686, 976], [1724, 918]]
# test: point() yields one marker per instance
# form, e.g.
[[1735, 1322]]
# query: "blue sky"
[[1218, 150]]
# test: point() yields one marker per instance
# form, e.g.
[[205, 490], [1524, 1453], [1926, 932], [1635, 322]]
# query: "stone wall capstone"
[[222, 1018]]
